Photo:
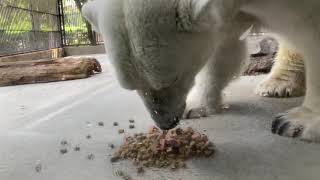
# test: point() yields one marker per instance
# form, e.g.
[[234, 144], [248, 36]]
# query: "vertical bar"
[[61, 23], [34, 42]]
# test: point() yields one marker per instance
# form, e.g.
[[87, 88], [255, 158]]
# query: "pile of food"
[[164, 148]]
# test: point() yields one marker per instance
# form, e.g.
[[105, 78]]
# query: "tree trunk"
[[16, 73]]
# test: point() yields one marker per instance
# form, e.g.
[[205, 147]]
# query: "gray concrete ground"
[[35, 118]]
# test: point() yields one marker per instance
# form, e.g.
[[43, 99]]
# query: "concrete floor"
[[35, 118]]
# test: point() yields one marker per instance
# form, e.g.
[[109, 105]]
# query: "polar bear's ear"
[[89, 13], [195, 15]]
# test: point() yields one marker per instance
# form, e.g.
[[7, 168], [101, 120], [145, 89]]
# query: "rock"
[[260, 65], [268, 46], [263, 50]]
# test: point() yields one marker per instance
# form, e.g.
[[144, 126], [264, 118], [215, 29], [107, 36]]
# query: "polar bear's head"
[[157, 48]]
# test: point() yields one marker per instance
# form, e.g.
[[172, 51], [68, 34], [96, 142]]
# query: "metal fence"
[[32, 25], [29, 25], [77, 30]]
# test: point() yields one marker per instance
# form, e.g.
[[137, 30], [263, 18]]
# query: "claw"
[[284, 128], [297, 132], [276, 123]]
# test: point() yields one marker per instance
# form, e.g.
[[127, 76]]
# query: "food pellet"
[[100, 124], [90, 156], [88, 136], [115, 124], [38, 167], [77, 148], [131, 126], [121, 131], [111, 146], [63, 151], [64, 142], [131, 120]]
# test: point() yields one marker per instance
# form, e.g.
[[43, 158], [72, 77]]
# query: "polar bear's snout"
[[165, 109], [166, 120]]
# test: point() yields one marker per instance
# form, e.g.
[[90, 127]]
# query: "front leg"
[[206, 97], [287, 77], [303, 122]]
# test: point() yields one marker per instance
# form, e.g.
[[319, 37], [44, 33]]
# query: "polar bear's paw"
[[195, 113], [202, 111], [277, 87], [300, 122]]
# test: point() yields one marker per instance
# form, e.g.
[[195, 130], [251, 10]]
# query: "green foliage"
[[17, 24]]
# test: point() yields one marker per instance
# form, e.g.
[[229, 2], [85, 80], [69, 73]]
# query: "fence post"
[[61, 23]]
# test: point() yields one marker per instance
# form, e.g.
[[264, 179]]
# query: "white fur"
[[159, 46], [287, 77]]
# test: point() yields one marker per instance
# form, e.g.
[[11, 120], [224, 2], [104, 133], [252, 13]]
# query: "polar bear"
[[158, 47], [287, 76]]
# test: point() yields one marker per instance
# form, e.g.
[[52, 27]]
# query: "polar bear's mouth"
[[165, 107], [165, 120]]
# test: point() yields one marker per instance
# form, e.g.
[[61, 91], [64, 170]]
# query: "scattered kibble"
[[121, 131], [38, 167], [111, 146], [88, 136], [115, 124], [131, 126], [100, 124], [131, 120], [63, 151], [90, 156], [77, 148], [64, 142], [164, 148]]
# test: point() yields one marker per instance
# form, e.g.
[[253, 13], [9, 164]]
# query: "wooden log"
[[61, 69]]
